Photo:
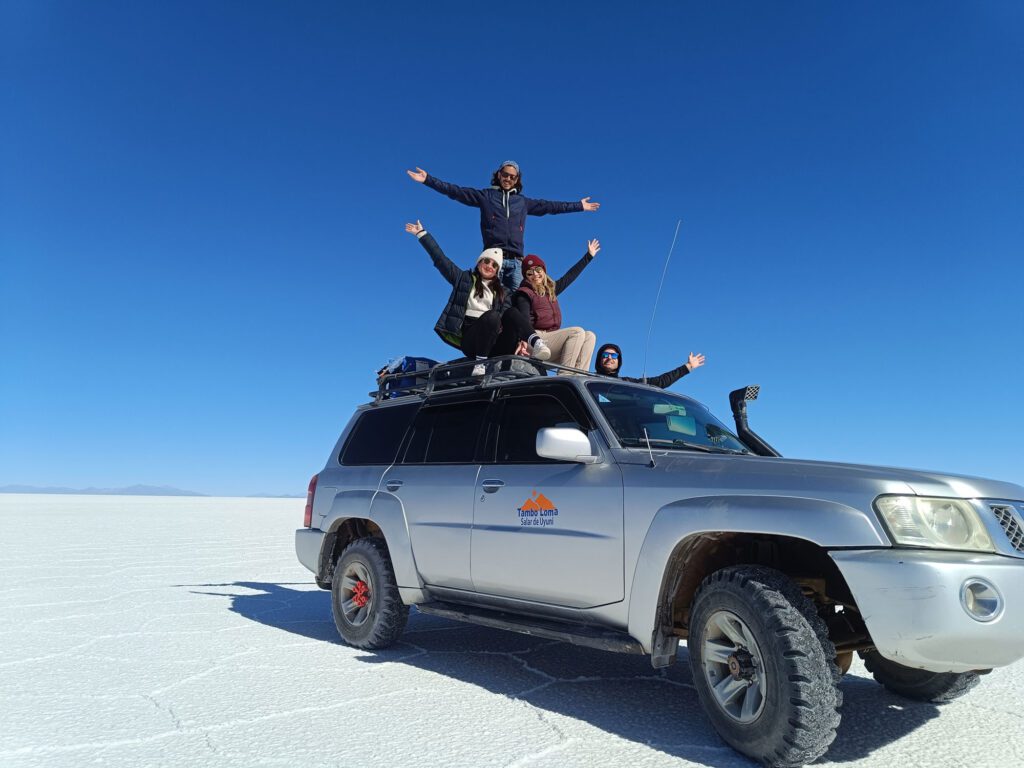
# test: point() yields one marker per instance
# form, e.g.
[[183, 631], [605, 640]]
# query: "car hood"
[[824, 479]]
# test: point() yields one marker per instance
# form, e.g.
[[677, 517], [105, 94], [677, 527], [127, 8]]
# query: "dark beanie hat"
[[532, 261]]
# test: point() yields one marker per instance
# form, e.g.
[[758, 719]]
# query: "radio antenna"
[[647, 347]]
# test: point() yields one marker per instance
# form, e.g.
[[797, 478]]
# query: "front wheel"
[[763, 666], [919, 684], [368, 610]]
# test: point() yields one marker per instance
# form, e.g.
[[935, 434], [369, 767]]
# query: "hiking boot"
[[540, 350]]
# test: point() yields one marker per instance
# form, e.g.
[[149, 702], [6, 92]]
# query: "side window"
[[376, 436], [521, 418], [446, 434]]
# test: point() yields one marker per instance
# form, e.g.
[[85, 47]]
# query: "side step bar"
[[577, 634]]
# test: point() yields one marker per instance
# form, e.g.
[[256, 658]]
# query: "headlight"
[[918, 521]]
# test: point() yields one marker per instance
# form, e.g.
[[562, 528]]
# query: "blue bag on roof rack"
[[417, 368]]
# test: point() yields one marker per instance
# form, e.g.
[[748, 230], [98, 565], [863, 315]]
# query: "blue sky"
[[202, 207]]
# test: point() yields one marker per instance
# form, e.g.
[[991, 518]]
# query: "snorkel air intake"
[[738, 402]]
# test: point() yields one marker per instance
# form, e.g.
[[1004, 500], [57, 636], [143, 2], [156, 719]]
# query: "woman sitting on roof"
[[478, 318], [537, 298]]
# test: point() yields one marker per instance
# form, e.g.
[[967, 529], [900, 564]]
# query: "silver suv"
[[623, 517]]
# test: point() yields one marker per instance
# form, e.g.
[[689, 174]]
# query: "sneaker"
[[479, 369], [540, 350]]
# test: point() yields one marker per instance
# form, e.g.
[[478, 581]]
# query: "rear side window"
[[376, 436], [446, 434]]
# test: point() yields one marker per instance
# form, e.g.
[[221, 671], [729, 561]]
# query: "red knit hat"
[[532, 261]]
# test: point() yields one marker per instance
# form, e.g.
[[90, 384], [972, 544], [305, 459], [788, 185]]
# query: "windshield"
[[670, 421]]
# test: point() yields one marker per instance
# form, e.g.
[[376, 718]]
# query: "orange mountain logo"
[[537, 511], [538, 501]]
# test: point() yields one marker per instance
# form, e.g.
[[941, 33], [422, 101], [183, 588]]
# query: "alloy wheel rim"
[[733, 666], [356, 594]]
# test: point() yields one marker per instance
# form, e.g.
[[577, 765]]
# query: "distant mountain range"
[[131, 490]]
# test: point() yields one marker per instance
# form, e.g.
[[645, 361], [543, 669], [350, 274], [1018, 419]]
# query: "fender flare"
[[386, 512], [824, 523]]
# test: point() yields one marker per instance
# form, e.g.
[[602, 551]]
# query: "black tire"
[[368, 611], [788, 671], [919, 684]]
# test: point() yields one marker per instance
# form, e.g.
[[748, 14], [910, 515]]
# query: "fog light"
[[981, 600]]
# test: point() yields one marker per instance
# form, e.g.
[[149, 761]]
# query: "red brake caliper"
[[360, 594]]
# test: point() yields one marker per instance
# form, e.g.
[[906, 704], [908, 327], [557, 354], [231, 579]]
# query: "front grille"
[[1007, 517]]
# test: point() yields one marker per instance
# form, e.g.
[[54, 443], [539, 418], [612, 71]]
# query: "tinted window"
[[446, 434], [377, 435], [521, 419]]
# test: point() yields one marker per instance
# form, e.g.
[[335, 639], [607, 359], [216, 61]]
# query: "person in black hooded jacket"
[[609, 363]]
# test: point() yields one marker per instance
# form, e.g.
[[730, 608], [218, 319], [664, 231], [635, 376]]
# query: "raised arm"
[[669, 378], [464, 195], [449, 271], [544, 207], [593, 246]]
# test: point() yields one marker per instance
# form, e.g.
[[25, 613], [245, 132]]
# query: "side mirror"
[[565, 444]]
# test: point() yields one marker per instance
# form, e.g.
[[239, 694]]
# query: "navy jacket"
[[449, 324], [502, 213]]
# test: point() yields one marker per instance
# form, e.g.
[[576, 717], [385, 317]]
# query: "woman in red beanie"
[[537, 298]]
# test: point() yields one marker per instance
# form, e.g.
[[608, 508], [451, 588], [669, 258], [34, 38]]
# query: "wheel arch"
[[791, 535]]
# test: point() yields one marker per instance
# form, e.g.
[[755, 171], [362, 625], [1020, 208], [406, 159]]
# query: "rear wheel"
[[919, 684], [763, 666], [368, 610]]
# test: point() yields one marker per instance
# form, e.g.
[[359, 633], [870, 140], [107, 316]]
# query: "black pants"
[[493, 334]]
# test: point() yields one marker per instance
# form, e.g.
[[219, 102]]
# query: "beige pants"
[[572, 347]]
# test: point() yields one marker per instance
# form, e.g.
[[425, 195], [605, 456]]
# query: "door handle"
[[490, 486], [393, 485]]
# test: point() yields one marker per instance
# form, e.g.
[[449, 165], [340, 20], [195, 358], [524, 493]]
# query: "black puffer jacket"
[[449, 324], [502, 213]]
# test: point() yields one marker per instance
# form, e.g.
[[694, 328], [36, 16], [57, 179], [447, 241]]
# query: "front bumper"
[[307, 547], [910, 602]]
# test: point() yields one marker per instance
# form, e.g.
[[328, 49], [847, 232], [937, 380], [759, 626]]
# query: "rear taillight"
[[307, 518]]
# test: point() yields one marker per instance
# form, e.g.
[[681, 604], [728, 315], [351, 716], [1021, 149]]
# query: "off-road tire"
[[919, 684], [799, 715], [381, 619]]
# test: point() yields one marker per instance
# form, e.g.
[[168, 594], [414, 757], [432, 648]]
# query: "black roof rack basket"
[[466, 373]]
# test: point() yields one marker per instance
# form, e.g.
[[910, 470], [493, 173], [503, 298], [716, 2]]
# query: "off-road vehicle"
[[620, 516]]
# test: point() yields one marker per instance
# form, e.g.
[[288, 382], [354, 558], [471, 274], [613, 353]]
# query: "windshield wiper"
[[662, 442], [711, 448]]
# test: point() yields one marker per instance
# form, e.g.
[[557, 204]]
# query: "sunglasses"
[[489, 262], [509, 176], [610, 355]]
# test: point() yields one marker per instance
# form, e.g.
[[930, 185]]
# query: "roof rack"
[[467, 374]]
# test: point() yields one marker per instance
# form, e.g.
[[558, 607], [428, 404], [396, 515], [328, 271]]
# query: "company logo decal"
[[537, 511]]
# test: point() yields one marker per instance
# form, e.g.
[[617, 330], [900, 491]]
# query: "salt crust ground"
[[182, 632]]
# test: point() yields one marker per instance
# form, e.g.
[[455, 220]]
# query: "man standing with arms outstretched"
[[503, 212]]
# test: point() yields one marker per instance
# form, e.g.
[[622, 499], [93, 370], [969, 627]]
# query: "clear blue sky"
[[202, 208]]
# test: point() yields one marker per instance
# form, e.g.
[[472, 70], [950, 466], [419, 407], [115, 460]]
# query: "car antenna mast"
[[657, 297], [648, 440]]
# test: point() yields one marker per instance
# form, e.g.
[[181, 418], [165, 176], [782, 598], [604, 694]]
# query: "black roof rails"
[[459, 374]]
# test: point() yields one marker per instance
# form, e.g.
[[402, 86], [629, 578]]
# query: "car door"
[[544, 530], [434, 478]]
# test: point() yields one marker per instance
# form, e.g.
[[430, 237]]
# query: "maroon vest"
[[545, 314]]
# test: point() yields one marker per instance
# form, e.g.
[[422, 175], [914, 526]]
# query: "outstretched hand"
[[414, 229], [593, 246], [418, 175], [587, 205], [695, 361]]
